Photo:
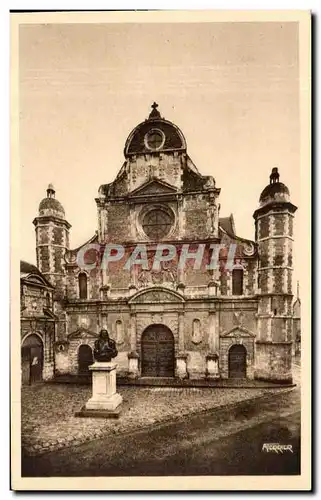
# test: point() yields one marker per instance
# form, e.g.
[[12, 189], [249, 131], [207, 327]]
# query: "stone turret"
[[274, 235], [52, 241]]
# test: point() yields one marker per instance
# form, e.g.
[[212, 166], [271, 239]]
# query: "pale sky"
[[232, 88]]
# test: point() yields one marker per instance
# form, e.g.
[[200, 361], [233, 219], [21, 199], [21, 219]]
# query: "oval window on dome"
[[154, 140], [157, 223]]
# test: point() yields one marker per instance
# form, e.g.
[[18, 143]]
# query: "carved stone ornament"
[[210, 183], [156, 295], [248, 249], [167, 274], [238, 318]]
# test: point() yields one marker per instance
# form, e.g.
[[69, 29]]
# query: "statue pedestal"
[[212, 367], [105, 401]]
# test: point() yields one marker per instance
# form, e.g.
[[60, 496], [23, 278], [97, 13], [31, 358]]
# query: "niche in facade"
[[196, 333], [119, 332]]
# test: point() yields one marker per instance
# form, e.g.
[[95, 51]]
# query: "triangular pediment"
[[49, 313], [153, 187], [82, 333], [157, 296], [238, 332]]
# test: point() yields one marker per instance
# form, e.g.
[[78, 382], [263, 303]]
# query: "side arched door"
[[31, 359], [85, 359], [237, 361]]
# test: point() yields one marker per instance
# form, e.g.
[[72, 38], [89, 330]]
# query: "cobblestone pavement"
[[48, 421]]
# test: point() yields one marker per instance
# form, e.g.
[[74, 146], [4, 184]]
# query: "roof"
[[27, 270], [172, 136], [227, 224], [26, 267], [272, 189], [51, 204]]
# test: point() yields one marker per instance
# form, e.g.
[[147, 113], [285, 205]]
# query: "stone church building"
[[184, 317]]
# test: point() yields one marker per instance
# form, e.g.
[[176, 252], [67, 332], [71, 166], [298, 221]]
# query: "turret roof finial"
[[50, 191], [275, 176]]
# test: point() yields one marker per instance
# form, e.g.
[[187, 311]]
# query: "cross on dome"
[[154, 113]]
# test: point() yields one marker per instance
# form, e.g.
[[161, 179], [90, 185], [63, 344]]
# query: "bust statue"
[[105, 347]]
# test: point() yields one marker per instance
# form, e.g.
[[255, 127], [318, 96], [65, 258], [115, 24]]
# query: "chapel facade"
[[184, 317]]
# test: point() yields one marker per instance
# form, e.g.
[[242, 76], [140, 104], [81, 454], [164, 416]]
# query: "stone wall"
[[164, 166], [274, 362], [197, 222], [118, 226]]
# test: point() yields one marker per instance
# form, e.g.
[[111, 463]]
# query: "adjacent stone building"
[[183, 317], [37, 325]]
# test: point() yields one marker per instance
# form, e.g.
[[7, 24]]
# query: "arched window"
[[82, 283], [237, 282]]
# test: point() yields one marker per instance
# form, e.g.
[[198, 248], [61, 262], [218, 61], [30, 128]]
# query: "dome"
[[51, 206], [275, 191], [155, 135]]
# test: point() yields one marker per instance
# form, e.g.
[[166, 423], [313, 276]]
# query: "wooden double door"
[[237, 361], [158, 352]]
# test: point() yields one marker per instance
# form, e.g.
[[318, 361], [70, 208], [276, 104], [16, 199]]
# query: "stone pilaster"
[[213, 337], [133, 356], [212, 359], [228, 283], [181, 357], [181, 343]]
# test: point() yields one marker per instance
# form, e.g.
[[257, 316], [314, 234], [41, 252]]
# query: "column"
[[133, 355], [212, 359], [181, 357], [181, 343], [133, 337], [212, 341]]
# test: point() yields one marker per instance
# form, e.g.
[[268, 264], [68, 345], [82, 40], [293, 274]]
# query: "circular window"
[[154, 139], [157, 223]]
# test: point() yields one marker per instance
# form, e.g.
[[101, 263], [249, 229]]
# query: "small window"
[[82, 282], [48, 301], [237, 282]]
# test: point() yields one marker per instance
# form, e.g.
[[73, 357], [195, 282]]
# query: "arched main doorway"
[[31, 359], [237, 361], [85, 359], [158, 353]]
